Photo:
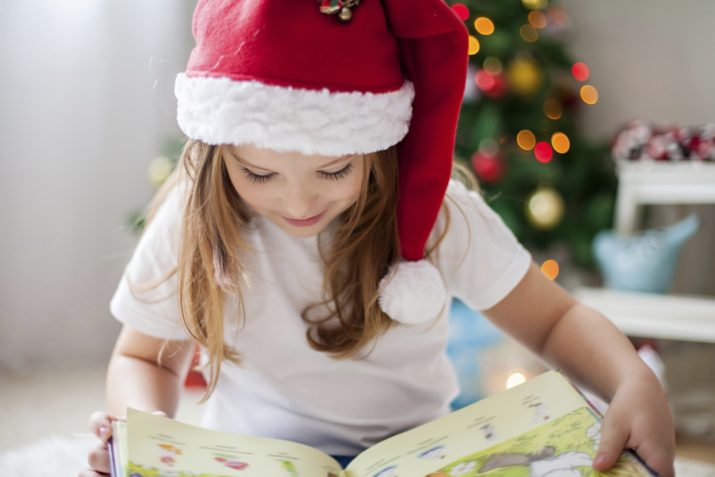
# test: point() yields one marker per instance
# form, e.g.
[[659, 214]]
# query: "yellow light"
[[560, 142], [550, 268], [528, 33], [473, 45], [537, 19], [552, 108], [492, 65], [589, 94], [484, 26], [534, 4], [515, 379], [526, 139]]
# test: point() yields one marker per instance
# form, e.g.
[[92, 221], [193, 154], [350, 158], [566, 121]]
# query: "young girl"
[[311, 241]]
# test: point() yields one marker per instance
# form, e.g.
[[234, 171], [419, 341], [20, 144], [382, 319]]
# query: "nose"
[[299, 202]]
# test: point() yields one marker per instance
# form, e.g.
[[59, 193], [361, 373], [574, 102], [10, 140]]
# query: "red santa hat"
[[336, 77]]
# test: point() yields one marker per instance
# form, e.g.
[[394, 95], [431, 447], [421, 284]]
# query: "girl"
[[311, 241]]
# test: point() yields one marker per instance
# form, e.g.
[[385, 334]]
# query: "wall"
[[87, 98]]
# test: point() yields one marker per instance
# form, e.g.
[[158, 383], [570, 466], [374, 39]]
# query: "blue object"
[[644, 262], [469, 334]]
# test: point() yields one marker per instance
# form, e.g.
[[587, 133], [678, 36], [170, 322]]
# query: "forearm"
[[589, 348], [140, 384]]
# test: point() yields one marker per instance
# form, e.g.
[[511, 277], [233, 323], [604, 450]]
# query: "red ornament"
[[543, 152], [488, 167]]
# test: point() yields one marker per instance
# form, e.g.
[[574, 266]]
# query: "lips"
[[305, 222]]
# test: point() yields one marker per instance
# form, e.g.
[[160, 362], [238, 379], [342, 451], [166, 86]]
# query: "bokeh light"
[[560, 142], [580, 71], [589, 94], [461, 10], [492, 64], [526, 140], [534, 4], [537, 19], [473, 45], [552, 108], [516, 378], [484, 26], [543, 152], [550, 268], [528, 33]]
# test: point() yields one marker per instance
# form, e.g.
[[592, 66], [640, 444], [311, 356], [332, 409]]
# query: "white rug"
[[62, 456]]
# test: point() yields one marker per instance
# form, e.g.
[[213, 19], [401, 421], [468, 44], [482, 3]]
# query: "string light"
[[550, 268], [474, 45], [589, 94], [485, 80], [552, 108], [543, 152], [526, 140], [528, 33], [560, 142], [537, 19], [461, 10], [484, 26], [580, 71]]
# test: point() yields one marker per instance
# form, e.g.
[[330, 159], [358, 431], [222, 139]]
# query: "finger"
[[90, 473], [614, 435], [657, 458], [160, 413], [98, 459], [100, 424]]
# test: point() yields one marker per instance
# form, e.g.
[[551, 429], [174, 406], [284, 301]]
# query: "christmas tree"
[[518, 128]]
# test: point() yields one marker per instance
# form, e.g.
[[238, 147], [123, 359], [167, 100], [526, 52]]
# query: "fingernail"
[[102, 431], [599, 460]]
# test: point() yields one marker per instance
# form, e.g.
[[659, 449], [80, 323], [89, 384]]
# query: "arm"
[[146, 373], [592, 351]]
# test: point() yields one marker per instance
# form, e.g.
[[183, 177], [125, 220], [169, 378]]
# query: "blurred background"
[[88, 131]]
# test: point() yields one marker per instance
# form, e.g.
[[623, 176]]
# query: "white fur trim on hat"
[[412, 292], [224, 111]]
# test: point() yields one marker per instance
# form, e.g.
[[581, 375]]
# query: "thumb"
[[614, 435]]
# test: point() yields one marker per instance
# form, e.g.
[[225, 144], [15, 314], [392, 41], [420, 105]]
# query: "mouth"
[[305, 222]]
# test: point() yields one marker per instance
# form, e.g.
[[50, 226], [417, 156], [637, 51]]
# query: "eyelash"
[[334, 176]]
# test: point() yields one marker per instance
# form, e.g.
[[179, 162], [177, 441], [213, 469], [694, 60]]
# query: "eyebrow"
[[331, 163]]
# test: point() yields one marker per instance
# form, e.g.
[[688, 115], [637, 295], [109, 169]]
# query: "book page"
[[159, 446], [542, 427]]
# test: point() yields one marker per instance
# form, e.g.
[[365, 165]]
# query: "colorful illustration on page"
[[562, 447]]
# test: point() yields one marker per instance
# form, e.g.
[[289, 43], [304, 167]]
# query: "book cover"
[[542, 428]]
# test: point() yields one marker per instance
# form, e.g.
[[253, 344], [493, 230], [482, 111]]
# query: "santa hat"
[[337, 77]]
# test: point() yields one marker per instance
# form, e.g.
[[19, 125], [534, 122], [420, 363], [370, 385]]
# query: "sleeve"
[[479, 258], [146, 298]]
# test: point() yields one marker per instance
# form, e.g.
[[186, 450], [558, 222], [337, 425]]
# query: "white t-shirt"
[[287, 390]]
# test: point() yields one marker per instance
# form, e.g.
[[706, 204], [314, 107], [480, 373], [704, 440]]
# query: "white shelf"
[[650, 182], [656, 316]]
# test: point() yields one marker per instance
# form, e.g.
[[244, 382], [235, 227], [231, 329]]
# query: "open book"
[[543, 427]]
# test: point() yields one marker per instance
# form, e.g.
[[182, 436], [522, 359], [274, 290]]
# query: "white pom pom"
[[412, 292]]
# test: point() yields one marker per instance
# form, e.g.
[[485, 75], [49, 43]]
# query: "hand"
[[638, 418], [100, 424]]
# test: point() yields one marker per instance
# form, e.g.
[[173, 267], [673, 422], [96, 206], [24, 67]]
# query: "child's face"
[[301, 194]]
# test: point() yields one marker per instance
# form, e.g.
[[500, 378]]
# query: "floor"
[[58, 402]]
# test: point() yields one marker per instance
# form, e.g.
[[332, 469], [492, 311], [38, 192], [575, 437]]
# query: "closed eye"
[[257, 178], [345, 171]]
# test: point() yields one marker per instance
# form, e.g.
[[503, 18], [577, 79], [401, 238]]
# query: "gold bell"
[[345, 14]]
